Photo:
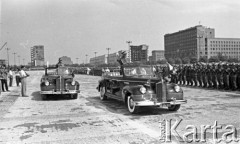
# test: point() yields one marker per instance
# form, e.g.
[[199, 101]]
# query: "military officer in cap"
[[226, 77], [219, 73], [199, 75]]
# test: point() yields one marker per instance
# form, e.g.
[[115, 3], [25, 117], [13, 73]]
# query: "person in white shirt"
[[10, 75], [23, 76], [17, 77]]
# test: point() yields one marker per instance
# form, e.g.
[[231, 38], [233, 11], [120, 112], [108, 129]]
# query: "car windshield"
[[135, 71], [63, 71]]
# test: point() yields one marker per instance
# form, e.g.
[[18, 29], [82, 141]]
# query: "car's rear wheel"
[[174, 107], [44, 97], [132, 108], [103, 93]]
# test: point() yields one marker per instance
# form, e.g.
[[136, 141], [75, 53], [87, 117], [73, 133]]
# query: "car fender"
[[130, 90]]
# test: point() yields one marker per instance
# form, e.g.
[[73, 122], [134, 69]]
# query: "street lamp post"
[[198, 48], [19, 60], [23, 61], [108, 55], [86, 58], [95, 58], [14, 59], [77, 60], [8, 55]]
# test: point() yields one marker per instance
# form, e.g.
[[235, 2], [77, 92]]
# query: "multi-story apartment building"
[[37, 55], [139, 53], [229, 47], [188, 42], [102, 59], [157, 55], [200, 41]]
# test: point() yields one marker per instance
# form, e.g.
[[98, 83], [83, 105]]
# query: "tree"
[[231, 60], [178, 61], [162, 61], [171, 61], [213, 59], [203, 59], [221, 57], [186, 60], [193, 60]]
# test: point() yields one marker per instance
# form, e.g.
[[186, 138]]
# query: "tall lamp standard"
[[19, 60], [77, 60], [8, 55], [129, 50], [108, 55], [95, 58], [198, 48], [23, 61], [86, 58], [14, 59]]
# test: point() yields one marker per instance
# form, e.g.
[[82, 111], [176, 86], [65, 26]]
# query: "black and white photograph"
[[119, 72]]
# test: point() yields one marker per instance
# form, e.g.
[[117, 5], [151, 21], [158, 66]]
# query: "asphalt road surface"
[[89, 120]]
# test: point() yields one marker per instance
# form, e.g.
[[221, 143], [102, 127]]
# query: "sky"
[[77, 28]]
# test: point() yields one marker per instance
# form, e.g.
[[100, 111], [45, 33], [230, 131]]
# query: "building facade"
[[188, 43], [37, 55], [139, 53], [3, 62], [229, 47], [98, 60], [157, 55], [66, 60]]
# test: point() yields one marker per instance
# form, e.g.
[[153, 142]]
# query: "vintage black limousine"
[[59, 80], [138, 87]]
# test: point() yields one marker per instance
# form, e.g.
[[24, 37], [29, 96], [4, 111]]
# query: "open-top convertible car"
[[59, 80], [138, 87]]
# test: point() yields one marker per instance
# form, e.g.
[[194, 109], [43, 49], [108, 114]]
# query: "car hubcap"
[[131, 103], [102, 91]]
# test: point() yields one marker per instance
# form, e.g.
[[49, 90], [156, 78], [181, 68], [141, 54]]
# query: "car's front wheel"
[[132, 108], [174, 107], [74, 96], [103, 93], [44, 97]]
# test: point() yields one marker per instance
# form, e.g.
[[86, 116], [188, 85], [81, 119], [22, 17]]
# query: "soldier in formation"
[[215, 76]]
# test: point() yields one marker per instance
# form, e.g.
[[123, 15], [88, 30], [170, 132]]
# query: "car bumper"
[[60, 92], [153, 103]]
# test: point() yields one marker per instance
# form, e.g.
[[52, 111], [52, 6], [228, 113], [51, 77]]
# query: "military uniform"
[[214, 77], [226, 78], [194, 74], [219, 73], [199, 76], [204, 77], [233, 78], [209, 77]]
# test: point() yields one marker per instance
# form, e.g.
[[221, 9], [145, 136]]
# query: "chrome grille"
[[159, 91], [60, 84]]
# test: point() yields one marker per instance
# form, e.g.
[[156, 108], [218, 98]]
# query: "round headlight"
[[143, 90], [73, 83], [47, 83], [177, 88]]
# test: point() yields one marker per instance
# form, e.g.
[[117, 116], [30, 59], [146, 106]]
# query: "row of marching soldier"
[[217, 76]]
